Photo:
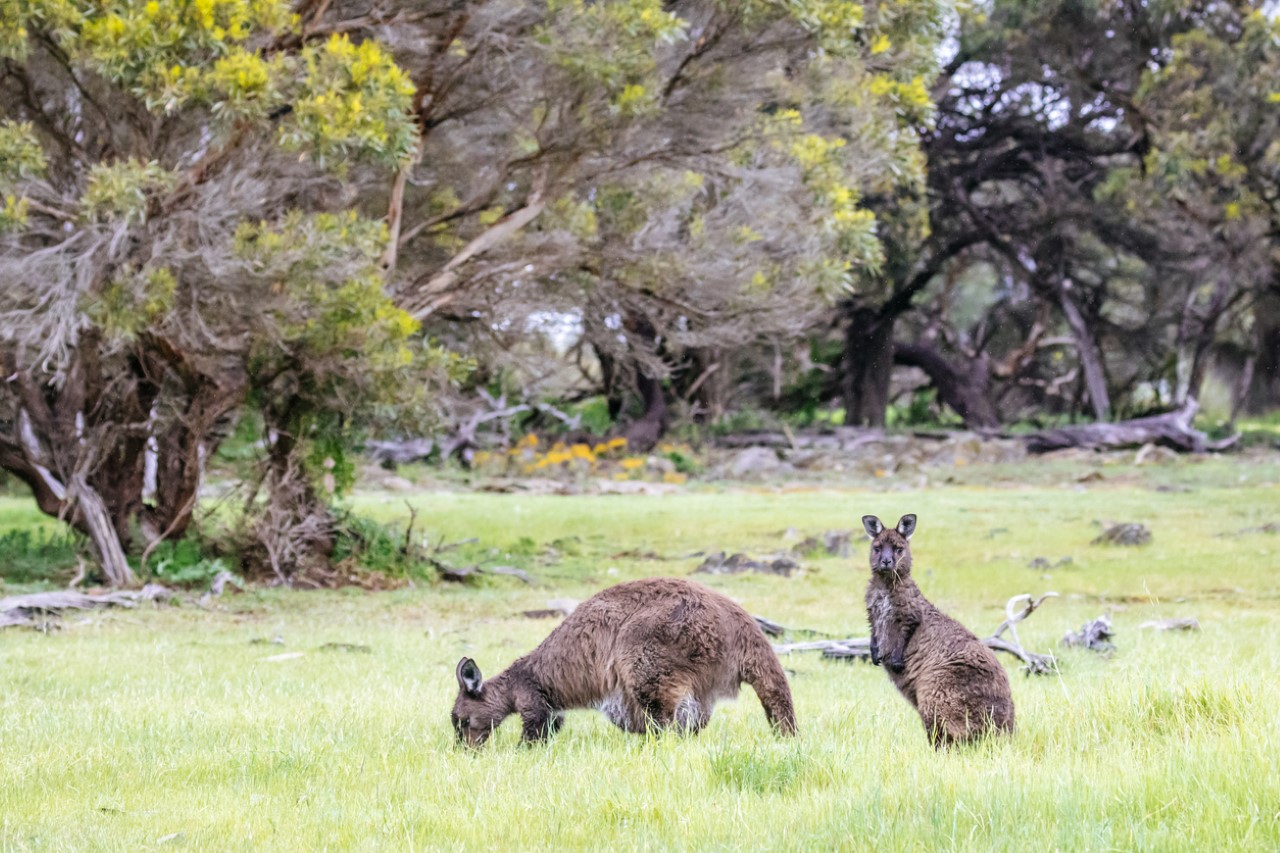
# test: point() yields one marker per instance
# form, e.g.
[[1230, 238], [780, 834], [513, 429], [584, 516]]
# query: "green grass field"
[[174, 728]]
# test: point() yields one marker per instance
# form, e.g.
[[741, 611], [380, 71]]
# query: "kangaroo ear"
[[872, 525], [907, 526], [469, 678]]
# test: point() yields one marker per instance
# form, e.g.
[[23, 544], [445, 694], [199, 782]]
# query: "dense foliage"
[[181, 241]]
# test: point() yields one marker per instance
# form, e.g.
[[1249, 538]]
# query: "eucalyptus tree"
[[682, 177], [1210, 185], [1044, 116]]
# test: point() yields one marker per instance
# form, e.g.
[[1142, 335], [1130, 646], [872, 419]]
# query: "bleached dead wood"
[[773, 629], [19, 610], [1095, 636], [1032, 663], [860, 647], [1172, 429]]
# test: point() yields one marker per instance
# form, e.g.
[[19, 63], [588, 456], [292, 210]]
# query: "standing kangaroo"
[[955, 682], [650, 654]]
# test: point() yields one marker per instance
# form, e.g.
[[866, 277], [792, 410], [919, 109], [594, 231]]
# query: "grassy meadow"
[[237, 728]]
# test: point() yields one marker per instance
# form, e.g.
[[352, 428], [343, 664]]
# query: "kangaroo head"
[[890, 548], [480, 708]]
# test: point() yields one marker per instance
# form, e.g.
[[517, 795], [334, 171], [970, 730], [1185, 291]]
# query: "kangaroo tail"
[[763, 672]]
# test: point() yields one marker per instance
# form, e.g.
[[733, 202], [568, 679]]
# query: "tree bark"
[[612, 383], [643, 434], [867, 366], [82, 445], [1095, 379], [707, 384], [1197, 330], [102, 532], [965, 388], [1264, 389]]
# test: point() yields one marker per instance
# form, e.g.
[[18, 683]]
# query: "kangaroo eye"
[[897, 550]]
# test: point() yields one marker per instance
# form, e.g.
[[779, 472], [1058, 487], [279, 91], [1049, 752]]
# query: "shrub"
[[185, 562], [28, 556]]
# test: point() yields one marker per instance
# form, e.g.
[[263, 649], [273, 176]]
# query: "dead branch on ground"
[[1172, 429], [32, 610], [859, 648], [1032, 663]]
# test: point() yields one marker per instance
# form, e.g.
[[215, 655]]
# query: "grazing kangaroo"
[[649, 654], [955, 682]]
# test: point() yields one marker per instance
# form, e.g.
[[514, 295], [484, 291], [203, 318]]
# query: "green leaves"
[[21, 158], [352, 101], [137, 43], [612, 46], [326, 293], [348, 100], [120, 191], [133, 301], [20, 153]]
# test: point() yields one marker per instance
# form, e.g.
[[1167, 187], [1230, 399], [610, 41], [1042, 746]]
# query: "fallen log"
[[1172, 429], [773, 629], [859, 648], [399, 451], [30, 610]]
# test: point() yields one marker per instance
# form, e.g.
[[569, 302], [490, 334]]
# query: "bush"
[[185, 562], [28, 556], [378, 547]]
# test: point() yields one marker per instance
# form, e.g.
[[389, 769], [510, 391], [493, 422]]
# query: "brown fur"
[[649, 653], [954, 681]]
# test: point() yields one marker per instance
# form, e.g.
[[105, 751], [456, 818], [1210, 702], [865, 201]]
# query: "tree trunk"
[[291, 533], [966, 388], [102, 532], [611, 382], [182, 452], [708, 384], [1264, 389], [642, 338], [866, 367], [644, 433], [82, 445], [1240, 390], [1091, 367], [1196, 332]]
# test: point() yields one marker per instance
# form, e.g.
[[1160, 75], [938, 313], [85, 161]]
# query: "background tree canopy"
[[330, 220]]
